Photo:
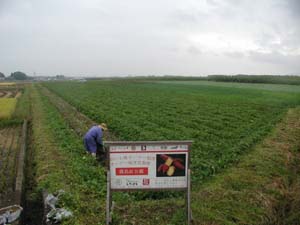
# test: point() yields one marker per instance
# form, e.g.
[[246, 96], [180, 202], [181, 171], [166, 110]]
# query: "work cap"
[[103, 126]]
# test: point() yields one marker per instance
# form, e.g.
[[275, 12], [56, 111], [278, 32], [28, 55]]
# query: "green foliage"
[[18, 76], [22, 110], [223, 122], [2, 75], [10, 122], [259, 86]]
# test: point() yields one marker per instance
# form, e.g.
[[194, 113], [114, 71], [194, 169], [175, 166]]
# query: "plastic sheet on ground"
[[10, 214], [56, 215]]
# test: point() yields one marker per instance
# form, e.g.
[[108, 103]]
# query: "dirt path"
[[13, 93], [78, 121], [18, 94], [8, 94]]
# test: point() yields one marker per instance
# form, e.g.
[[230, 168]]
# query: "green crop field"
[[268, 87], [244, 155], [224, 122]]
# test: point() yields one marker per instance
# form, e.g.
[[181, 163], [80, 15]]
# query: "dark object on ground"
[[101, 155]]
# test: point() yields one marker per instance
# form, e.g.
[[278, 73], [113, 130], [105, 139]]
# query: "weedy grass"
[[61, 163], [262, 188], [7, 107], [22, 110]]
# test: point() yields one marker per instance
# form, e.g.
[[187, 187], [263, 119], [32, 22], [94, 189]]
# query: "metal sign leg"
[[189, 212], [108, 200]]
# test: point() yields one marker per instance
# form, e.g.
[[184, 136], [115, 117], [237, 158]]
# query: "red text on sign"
[[132, 171]]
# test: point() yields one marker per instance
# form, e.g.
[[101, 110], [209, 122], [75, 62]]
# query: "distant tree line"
[[241, 78], [271, 79], [267, 79], [15, 76], [2, 75]]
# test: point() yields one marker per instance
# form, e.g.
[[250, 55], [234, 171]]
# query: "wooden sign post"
[[146, 166]]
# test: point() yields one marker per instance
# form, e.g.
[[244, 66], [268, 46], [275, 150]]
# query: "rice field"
[[7, 107]]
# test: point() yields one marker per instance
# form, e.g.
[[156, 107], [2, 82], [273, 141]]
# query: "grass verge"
[[22, 110], [59, 162], [262, 189]]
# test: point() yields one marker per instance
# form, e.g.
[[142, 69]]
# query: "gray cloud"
[[97, 37], [294, 7], [194, 50], [288, 64], [273, 57], [235, 54]]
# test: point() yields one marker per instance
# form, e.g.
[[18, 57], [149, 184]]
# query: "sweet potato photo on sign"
[[171, 165]]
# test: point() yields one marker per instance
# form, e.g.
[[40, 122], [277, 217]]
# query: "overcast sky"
[[157, 37]]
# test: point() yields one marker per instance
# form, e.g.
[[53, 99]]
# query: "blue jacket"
[[93, 138]]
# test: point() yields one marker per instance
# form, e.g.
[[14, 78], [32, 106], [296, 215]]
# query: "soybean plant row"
[[223, 122]]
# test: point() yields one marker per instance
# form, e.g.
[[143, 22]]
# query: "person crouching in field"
[[93, 139]]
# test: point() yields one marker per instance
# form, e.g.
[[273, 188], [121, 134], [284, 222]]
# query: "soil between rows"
[[9, 93], [10, 139]]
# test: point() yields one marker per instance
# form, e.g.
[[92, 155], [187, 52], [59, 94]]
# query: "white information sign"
[[148, 165]]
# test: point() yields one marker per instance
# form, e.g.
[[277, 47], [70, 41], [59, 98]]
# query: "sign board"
[[148, 165]]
